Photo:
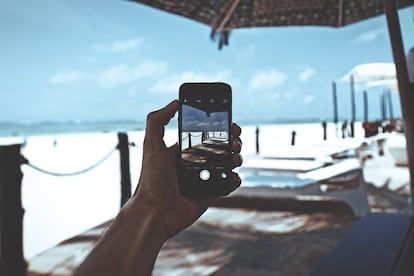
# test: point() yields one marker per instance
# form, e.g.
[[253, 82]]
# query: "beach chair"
[[301, 185]]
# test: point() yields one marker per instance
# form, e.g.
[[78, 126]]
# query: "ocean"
[[24, 129], [57, 208]]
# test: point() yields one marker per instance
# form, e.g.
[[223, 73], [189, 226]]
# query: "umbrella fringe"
[[221, 36]]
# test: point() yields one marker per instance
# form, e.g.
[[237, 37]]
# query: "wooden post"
[[335, 108], [123, 147], [293, 140], [11, 212], [383, 107], [325, 134], [365, 99], [353, 114], [390, 108], [405, 89]]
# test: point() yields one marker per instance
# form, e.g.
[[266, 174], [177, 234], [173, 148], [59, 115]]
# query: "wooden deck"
[[62, 259], [250, 243]]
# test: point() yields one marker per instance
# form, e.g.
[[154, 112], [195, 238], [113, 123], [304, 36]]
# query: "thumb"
[[173, 150], [156, 122]]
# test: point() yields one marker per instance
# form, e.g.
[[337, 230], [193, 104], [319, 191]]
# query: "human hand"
[[158, 186], [156, 212]]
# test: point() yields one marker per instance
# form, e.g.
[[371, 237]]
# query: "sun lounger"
[[302, 181]]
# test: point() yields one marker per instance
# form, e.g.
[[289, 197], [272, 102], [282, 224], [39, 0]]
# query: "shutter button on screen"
[[204, 175]]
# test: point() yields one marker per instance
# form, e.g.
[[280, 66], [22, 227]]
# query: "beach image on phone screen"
[[205, 139]]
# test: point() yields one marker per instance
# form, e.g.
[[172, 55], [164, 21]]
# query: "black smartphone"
[[204, 121]]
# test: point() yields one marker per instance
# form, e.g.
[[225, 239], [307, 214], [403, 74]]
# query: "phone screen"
[[205, 150]]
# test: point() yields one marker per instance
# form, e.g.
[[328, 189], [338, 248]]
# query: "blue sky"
[[109, 60], [196, 120]]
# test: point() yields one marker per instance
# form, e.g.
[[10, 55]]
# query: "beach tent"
[[369, 72], [390, 84], [370, 75]]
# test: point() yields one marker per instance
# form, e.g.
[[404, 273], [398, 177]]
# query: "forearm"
[[129, 246]]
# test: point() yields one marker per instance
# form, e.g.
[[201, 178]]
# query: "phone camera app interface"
[[205, 139]]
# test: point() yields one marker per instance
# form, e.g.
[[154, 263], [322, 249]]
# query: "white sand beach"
[[223, 241]]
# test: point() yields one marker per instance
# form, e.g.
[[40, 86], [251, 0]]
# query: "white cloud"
[[306, 74], [118, 46], [370, 36], [267, 80], [122, 73], [113, 76], [66, 77], [171, 84]]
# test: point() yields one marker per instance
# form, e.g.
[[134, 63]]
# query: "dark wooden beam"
[[404, 86], [11, 212], [123, 147]]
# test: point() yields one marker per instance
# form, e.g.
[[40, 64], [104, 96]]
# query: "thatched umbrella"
[[226, 15]]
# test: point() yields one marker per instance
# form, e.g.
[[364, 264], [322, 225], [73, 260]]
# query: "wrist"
[[142, 215], [130, 245], [141, 234]]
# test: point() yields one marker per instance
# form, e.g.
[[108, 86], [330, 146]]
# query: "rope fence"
[[25, 161]]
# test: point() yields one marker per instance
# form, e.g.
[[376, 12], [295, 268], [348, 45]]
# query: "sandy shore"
[[250, 242]]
